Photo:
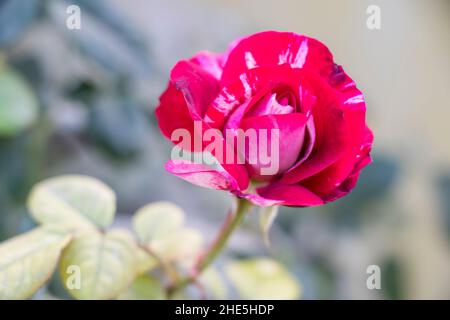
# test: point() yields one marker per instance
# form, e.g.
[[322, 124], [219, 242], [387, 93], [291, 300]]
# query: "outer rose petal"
[[331, 178], [202, 175], [350, 182], [210, 62], [237, 171], [290, 195], [271, 48], [258, 200], [198, 86], [184, 95], [172, 102], [361, 137]]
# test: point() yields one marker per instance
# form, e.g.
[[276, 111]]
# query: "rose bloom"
[[272, 80]]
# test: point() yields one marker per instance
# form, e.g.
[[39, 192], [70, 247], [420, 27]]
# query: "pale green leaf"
[[145, 287], [266, 219], [73, 202], [182, 245], [27, 261], [157, 220], [107, 264], [18, 104], [159, 226], [262, 279], [145, 262], [213, 283]]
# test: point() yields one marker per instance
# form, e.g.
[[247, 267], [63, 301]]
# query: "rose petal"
[[330, 178], [201, 175], [350, 182], [290, 134], [290, 195], [271, 48], [210, 62], [332, 134], [172, 102], [190, 91], [249, 89], [270, 105], [258, 200], [198, 87]]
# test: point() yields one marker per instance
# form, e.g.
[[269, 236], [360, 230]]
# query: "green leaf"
[[213, 283], [182, 245], [156, 221], [107, 264], [159, 226], [18, 104], [266, 219], [145, 262], [27, 261], [144, 287], [73, 202], [262, 279]]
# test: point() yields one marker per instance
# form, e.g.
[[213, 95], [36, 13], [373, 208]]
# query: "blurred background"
[[82, 101]]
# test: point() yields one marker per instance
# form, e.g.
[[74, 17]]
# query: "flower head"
[[285, 123]]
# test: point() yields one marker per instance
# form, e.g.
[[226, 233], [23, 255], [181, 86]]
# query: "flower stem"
[[233, 220]]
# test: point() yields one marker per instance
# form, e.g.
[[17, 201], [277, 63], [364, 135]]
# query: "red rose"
[[274, 81]]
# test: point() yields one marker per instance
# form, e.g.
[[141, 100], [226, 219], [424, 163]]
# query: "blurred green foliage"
[[30, 135], [95, 261], [18, 105], [443, 187]]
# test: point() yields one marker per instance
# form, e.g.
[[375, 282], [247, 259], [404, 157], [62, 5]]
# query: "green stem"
[[233, 220]]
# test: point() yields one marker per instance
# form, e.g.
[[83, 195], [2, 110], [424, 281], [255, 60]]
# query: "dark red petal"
[[172, 102], [198, 87], [331, 138], [191, 89], [291, 195], [350, 182], [332, 132], [271, 48], [360, 141], [333, 176]]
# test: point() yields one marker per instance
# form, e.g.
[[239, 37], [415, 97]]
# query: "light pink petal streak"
[[201, 175]]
